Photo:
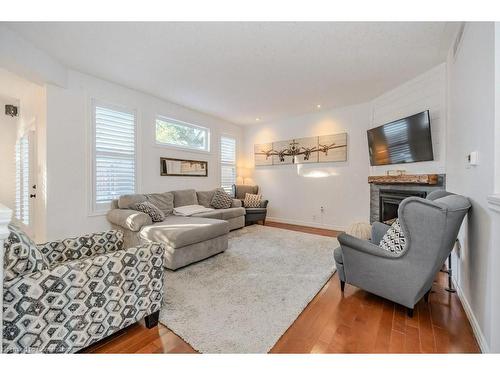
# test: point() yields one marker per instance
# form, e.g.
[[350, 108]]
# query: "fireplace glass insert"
[[390, 200]]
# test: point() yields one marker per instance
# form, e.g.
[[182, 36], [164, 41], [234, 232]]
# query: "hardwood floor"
[[356, 322]]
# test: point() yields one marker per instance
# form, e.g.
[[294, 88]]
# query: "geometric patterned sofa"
[[62, 296]]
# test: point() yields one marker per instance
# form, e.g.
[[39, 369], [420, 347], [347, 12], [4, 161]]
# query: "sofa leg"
[[409, 312], [152, 319], [342, 286]]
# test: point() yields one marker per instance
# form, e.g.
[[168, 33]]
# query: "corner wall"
[[471, 111], [344, 193]]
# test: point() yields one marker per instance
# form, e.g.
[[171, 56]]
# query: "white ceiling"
[[241, 71]]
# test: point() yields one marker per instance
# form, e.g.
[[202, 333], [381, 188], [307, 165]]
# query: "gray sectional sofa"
[[186, 239]]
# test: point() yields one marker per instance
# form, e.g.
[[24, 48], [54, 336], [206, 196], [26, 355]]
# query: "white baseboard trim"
[[312, 224], [481, 340]]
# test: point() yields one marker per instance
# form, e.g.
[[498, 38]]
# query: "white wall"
[[471, 110], [426, 91], [494, 206], [24, 59], [68, 155], [8, 137], [345, 195], [296, 198]]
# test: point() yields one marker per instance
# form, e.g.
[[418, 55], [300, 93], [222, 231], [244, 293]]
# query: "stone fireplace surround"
[[385, 196]]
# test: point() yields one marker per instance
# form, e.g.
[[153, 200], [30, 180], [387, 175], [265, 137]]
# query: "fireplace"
[[389, 200], [387, 192]]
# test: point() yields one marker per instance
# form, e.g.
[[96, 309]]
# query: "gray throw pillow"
[[148, 208], [128, 201], [184, 197], [164, 201], [205, 197], [221, 199]]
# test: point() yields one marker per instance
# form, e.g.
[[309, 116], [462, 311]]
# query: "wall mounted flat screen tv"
[[407, 140]]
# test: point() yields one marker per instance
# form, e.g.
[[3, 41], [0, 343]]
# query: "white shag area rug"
[[243, 300]]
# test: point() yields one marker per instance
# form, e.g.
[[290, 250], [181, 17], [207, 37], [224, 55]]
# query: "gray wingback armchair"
[[252, 214], [430, 227]]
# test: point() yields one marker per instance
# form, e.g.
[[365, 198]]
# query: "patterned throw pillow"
[[252, 200], [149, 208], [22, 256], [394, 240], [221, 199]]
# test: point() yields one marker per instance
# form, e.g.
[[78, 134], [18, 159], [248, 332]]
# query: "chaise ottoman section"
[[235, 216], [187, 239]]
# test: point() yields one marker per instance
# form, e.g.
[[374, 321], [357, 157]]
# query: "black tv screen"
[[407, 140]]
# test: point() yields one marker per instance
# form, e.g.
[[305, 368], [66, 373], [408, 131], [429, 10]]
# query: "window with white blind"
[[181, 134], [227, 162], [114, 148]]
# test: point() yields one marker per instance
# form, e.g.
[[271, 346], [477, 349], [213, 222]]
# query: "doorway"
[[18, 165]]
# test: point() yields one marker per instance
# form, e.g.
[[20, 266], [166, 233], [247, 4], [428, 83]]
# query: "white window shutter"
[[114, 148], [23, 180], [228, 162]]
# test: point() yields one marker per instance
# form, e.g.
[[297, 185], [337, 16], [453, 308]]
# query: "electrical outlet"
[[322, 209], [473, 158]]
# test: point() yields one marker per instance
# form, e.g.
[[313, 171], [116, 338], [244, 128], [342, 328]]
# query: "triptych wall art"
[[325, 148]]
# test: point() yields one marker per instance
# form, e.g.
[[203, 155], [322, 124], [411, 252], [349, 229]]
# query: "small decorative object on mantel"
[[395, 172], [419, 179], [325, 148], [185, 168]]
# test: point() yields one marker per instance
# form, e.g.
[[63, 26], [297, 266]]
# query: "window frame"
[[101, 209], [221, 163], [180, 147]]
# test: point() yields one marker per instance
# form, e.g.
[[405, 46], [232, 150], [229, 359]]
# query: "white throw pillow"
[[252, 200], [394, 240]]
